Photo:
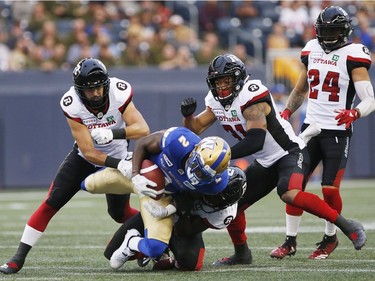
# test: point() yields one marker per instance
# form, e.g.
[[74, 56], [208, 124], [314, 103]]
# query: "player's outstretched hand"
[[346, 116], [158, 211], [141, 184], [102, 136], [188, 106]]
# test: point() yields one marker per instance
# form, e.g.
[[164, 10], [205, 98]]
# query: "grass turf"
[[73, 244]]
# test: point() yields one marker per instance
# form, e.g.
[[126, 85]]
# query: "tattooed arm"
[[298, 94]]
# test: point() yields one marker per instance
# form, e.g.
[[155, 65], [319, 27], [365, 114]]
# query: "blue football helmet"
[[209, 159]]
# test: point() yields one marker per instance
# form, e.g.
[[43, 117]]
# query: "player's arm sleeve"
[[252, 143], [365, 92]]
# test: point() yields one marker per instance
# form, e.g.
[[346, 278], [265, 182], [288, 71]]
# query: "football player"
[[245, 108], [335, 71], [193, 216], [189, 163], [94, 101]]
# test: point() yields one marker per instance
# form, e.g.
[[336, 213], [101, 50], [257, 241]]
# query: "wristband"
[[111, 162], [119, 133]]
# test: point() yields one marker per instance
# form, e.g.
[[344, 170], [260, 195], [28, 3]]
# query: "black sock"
[[291, 239], [20, 256]]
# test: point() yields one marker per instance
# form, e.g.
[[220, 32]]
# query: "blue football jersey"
[[176, 146]]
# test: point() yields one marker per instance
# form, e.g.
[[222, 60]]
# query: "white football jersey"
[[280, 136], [120, 95], [217, 219], [329, 78]]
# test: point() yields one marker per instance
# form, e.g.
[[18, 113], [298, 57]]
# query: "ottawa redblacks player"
[[96, 108], [335, 71], [245, 109]]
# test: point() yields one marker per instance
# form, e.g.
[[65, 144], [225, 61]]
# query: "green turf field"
[[72, 246]]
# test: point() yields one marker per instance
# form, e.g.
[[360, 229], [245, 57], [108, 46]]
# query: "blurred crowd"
[[51, 35]]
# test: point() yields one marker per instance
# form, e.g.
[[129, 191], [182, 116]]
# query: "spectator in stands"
[[285, 68], [294, 16], [105, 51], [208, 49], [277, 38], [50, 55], [209, 13], [78, 27], [180, 34], [240, 51], [245, 11], [177, 58], [19, 59], [39, 16], [4, 51], [80, 49]]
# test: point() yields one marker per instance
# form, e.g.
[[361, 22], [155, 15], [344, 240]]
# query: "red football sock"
[[236, 229], [41, 217], [128, 210], [314, 205], [333, 198], [293, 211]]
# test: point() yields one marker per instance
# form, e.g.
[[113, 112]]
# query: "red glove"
[[346, 116], [285, 114]]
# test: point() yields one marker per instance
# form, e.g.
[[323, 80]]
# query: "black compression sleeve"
[[111, 162], [119, 134], [253, 142]]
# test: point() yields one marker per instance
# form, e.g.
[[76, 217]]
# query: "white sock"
[[330, 229], [133, 243], [30, 236], [292, 224]]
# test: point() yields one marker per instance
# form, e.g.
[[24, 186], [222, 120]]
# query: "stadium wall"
[[35, 138]]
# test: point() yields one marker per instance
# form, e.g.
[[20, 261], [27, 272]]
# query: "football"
[[152, 172]]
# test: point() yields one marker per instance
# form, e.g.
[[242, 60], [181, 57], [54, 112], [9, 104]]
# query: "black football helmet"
[[232, 193], [333, 28], [88, 74], [223, 66]]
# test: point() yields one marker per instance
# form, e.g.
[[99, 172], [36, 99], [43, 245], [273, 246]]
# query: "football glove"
[[285, 114], [102, 136], [311, 131], [158, 211], [141, 183], [125, 167], [188, 106], [346, 116]]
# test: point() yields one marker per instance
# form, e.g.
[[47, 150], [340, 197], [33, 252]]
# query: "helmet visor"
[[197, 170]]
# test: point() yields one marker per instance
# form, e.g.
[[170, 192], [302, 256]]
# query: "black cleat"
[[10, 267], [356, 234], [247, 258]]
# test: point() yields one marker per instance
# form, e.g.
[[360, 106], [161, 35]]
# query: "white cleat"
[[123, 253]]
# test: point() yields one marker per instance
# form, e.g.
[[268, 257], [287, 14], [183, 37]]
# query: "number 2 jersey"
[[119, 96], [176, 146], [280, 137], [330, 83]]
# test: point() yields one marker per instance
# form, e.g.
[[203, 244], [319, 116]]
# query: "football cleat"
[[325, 248], [10, 267], [356, 234], [165, 262], [123, 253], [246, 258], [143, 261], [286, 249]]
